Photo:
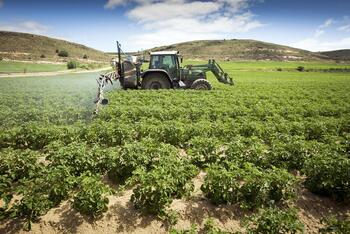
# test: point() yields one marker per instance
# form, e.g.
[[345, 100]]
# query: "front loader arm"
[[216, 69]]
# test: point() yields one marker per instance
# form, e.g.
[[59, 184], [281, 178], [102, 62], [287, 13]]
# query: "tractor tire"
[[155, 81], [201, 84]]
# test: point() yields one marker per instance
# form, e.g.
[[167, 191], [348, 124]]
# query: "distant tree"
[[57, 51], [42, 56], [72, 64], [63, 53], [85, 56], [301, 68]]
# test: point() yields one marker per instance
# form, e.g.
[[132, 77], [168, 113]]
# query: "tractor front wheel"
[[155, 81], [201, 84]]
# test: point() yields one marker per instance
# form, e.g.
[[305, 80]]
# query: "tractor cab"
[[167, 61]]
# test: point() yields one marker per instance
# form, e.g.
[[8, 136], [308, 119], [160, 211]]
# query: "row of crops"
[[258, 144]]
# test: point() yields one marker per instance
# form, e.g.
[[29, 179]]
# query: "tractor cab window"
[[168, 62], [155, 62]]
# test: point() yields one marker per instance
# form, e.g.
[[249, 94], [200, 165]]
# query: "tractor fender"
[[164, 72]]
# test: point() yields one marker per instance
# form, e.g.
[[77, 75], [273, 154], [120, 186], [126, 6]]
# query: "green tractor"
[[164, 72]]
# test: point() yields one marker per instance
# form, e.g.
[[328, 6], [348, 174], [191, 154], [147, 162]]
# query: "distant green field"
[[274, 65], [21, 67]]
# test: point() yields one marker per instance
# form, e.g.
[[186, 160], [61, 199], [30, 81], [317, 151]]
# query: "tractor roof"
[[165, 52]]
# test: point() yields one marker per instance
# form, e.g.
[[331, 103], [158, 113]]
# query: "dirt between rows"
[[122, 217]]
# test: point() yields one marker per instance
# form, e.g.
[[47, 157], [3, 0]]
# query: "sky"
[[315, 25]]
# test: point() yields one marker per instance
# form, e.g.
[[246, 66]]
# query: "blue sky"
[[141, 24]]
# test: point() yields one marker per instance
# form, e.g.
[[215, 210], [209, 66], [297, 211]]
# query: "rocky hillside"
[[24, 46], [338, 54], [241, 50]]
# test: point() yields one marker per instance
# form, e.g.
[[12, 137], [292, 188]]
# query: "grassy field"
[[273, 149], [274, 65], [22, 67]]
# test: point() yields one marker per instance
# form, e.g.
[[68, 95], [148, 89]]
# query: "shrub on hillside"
[[72, 64], [85, 56], [63, 53], [42, 56]]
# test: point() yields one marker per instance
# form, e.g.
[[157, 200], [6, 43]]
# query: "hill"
[[24, 46], [241, 50], [338, 54]]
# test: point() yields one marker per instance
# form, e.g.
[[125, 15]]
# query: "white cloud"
[[176, 31], [314, 44], [111, 4], [321, 29], [26, 26], [327, 23], [344, 28], [170, 21], [170, 10], [319, 32]]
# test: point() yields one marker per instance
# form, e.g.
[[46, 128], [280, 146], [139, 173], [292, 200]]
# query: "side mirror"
[[104, 101]]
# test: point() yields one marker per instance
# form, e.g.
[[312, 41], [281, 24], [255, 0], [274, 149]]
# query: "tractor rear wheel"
[[201, 84], [155, 81]]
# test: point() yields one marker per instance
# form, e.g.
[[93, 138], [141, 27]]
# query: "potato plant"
[[80, 157], [249, 186], [204, 151], [91, 198], [158, 187], [329, 175], [336, 225], [273, 220], [145, 154]]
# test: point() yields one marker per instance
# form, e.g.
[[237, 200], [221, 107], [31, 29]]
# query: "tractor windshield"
[[169, 62]]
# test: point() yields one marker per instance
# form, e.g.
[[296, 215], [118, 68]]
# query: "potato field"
[[268, 155]]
